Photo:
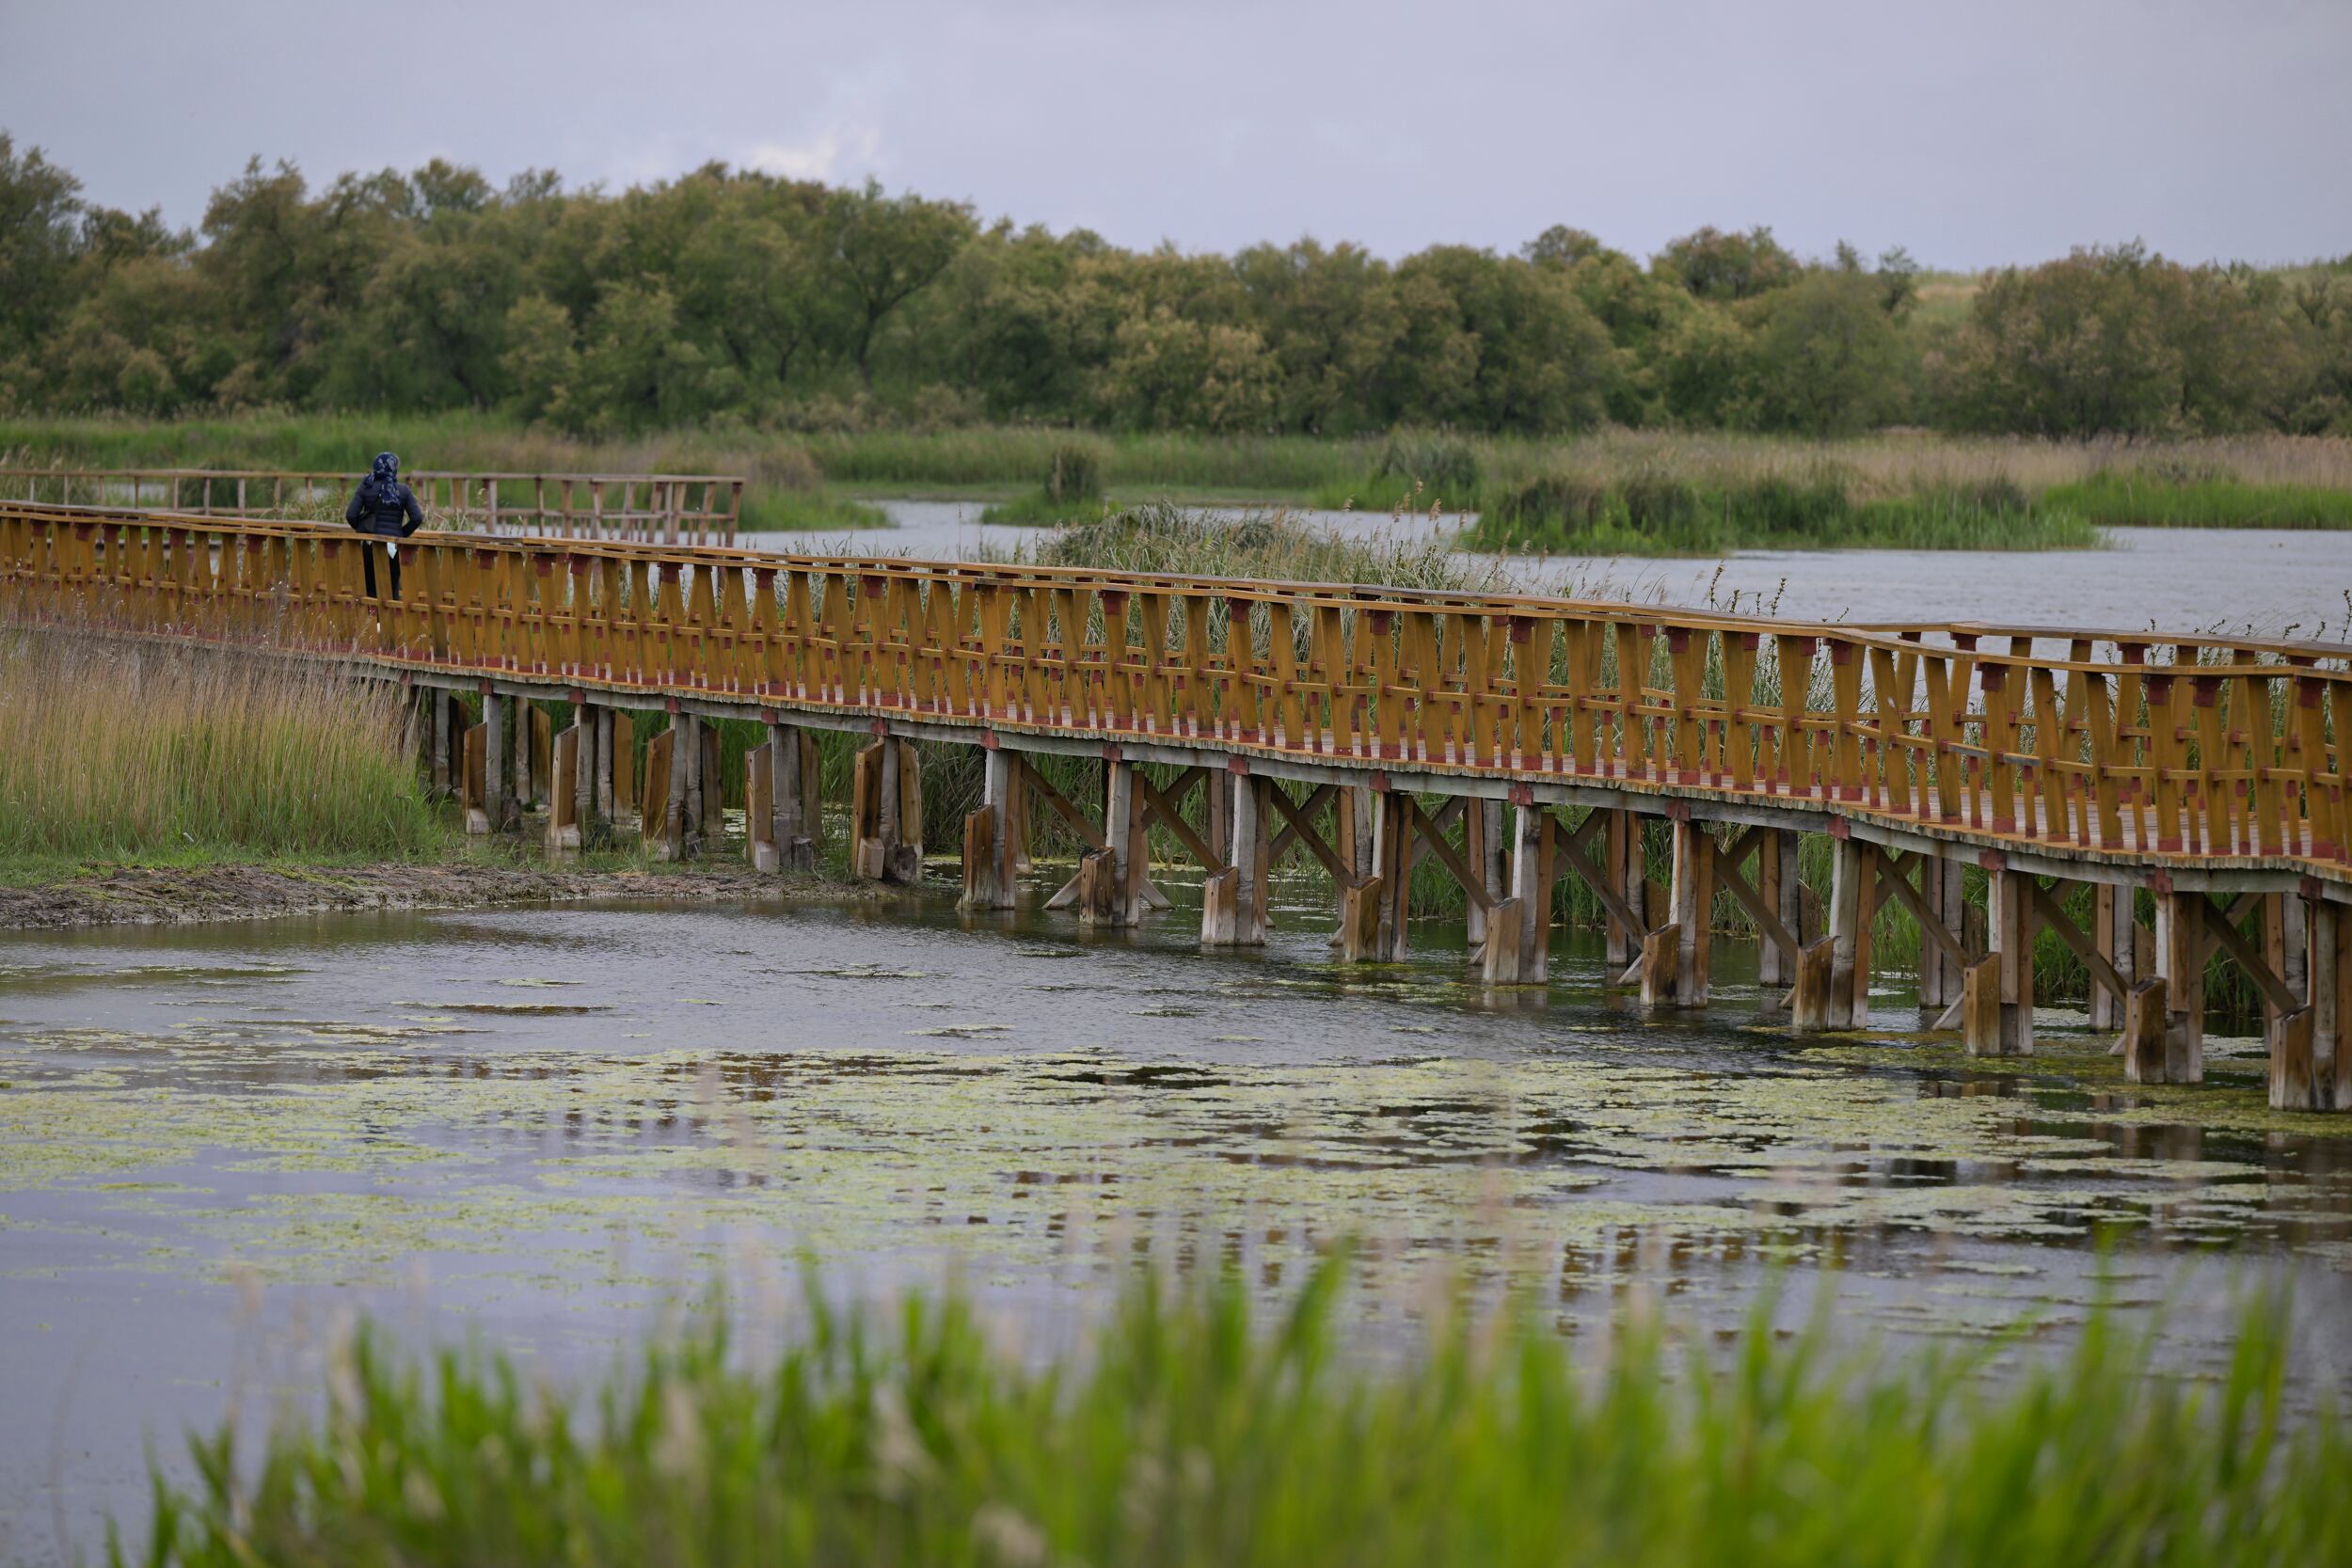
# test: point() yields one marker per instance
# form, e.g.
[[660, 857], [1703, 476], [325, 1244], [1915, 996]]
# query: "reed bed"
[[111, 752], [1193, 1428], [2246, 479]]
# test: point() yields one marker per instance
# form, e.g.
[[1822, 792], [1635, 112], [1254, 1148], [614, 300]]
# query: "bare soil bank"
[[135, 895]]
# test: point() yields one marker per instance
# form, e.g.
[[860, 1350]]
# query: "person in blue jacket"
[[384, 508]]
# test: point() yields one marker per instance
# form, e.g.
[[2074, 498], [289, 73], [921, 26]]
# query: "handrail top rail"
[[1898, 637]]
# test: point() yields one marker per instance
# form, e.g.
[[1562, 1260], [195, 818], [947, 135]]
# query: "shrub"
[[1445, 464]]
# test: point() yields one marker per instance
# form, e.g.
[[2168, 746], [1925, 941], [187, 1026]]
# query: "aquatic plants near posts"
[[1073, 489], [1191, 1432]]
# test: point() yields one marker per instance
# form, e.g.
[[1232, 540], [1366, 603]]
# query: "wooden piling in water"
[[2181, 919], [1997, 1007], [1690, 910], [887, 813], [1395, 826], [989, 851], [1848, 949], [2145, 1022]]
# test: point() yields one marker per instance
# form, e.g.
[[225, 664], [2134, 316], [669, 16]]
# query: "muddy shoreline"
[[129, 895]]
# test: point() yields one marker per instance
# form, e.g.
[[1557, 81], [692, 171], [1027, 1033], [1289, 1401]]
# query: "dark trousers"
[[367, 561]]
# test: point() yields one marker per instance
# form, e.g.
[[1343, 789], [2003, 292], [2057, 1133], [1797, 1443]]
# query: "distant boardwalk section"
[[660, 508]]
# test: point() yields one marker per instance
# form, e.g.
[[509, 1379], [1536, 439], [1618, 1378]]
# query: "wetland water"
[[2176, 579], [549, 1128]]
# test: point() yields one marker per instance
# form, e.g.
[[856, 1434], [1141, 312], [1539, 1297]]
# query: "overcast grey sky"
[[1975, 132]]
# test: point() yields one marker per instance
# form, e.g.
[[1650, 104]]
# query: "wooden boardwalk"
[[2205, 773]]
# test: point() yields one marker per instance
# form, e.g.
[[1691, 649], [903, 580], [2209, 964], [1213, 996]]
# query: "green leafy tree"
[[882, 249], [40, 209], [1713, 265], [1829, 360]]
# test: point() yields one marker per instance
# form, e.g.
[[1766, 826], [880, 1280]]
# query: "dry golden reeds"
[[107, 749]]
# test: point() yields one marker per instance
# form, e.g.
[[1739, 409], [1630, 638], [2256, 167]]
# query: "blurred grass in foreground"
[[1188, 1432]]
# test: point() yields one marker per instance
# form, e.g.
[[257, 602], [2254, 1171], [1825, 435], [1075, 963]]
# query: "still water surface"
[[550, 1127], [2173, 580]]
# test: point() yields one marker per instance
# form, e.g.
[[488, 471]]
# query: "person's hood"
[[387, 467]]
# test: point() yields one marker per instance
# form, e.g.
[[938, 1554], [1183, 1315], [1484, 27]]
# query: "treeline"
[[737, 298]]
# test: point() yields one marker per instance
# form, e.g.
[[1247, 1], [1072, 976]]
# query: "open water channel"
[[554, 1128]]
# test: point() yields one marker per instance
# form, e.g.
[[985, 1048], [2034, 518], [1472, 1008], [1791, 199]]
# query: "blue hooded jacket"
[[383, 505]]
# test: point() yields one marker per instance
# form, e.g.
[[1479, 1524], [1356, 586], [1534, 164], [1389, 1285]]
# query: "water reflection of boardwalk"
[[1967, 774]]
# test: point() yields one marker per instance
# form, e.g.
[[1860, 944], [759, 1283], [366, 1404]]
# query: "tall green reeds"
[[111, 750], [1193, 1429], [1655, 513], [2201, 499]]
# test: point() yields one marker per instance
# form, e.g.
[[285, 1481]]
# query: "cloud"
[[836, 155]]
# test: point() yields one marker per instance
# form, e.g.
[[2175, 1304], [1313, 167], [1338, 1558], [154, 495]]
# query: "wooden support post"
[[1483, 853], [1500, 962], [792, 804], [903, 859], [628, 774], [534, 789], [1217, 812], [710, 796], [1359, 920], [1940, 974], [2113, 934], [1533, 853], [2181, 962], [1996, 1016], [1661, 956], [2330, 928], [686, 774], [1395, 830], [665, 789], [1848, 918], [1254, 829], [438, 738], [1123, 840], [497, 772], [987, 837], [1809, 1009], [1772, 966], [2144, 1028], [2285, 950], [594, 822], [759, 809], [473, 775], [865, 809], [611, 795], [1232, 898], [1625, 868], [1098, 888], [518, 754], [1691, 908], [563, 833], [2291, 1074], [889, 818]]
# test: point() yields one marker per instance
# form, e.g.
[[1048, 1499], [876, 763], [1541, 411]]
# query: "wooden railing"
[[2157, 749], [695, 508]]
